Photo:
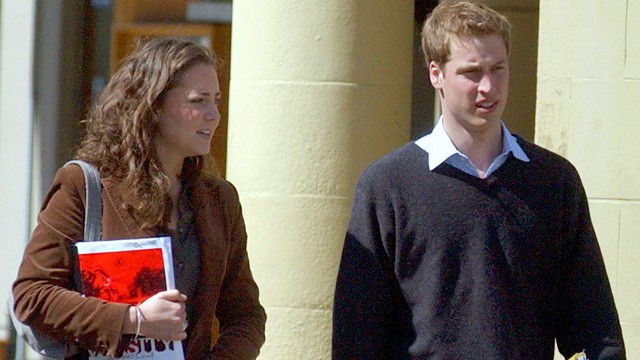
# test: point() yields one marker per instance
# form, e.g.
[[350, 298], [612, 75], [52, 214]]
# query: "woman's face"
[[188, 117]]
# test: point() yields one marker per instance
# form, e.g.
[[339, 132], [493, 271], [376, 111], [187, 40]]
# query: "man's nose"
[[486, 83]]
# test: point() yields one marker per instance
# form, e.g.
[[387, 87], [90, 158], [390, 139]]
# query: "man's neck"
[[482, 147]]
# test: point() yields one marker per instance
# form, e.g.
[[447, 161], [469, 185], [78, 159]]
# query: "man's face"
[[474, 83]]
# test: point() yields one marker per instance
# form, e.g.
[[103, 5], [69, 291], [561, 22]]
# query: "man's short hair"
[[452, 20]]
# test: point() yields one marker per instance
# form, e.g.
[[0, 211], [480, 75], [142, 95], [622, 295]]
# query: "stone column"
[[319, 89]]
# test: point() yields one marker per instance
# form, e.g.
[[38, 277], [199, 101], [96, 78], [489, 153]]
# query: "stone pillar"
[[318, 90]]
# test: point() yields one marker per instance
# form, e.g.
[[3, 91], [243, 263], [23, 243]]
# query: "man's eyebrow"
[[474, 66], [468, 67]]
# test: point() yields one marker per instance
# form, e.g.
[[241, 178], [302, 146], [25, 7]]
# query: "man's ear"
[[435, 75]]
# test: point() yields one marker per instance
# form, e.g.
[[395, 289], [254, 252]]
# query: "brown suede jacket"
[[226, 292]]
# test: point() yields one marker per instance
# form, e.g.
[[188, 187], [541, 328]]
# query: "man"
[[472, 243]]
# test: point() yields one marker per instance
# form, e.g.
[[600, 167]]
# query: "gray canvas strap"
[[93, 205]]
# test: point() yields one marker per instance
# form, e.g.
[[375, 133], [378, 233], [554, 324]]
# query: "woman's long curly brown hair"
[[121, 129]]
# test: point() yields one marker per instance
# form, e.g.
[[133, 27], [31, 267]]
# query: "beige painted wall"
[[588, 101]]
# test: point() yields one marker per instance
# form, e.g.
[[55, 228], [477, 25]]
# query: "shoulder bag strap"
[[93, 206]]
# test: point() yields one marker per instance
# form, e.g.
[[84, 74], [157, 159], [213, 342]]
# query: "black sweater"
[[444, 265]]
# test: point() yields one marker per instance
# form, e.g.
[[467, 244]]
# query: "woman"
[[149, 136]]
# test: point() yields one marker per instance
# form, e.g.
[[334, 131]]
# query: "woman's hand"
[[164, 316]]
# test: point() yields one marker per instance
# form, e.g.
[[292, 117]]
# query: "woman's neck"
[[170, 163]]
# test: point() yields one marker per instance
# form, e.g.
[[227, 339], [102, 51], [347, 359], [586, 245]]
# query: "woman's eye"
[[197, 100]]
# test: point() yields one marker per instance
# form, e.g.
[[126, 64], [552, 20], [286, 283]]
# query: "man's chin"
[[485, 120]]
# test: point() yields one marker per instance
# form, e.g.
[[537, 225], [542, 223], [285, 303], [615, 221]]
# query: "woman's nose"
[[213, 113]]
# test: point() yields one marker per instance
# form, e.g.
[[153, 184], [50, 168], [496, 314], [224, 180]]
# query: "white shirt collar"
[[440, 147]]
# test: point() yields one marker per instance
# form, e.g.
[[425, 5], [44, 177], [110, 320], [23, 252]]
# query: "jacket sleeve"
[[242, 318], [43, 293], [587, 315], [365, 302]]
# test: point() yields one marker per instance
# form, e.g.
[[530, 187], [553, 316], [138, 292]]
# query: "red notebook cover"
[[129, 271], [123, 276]]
